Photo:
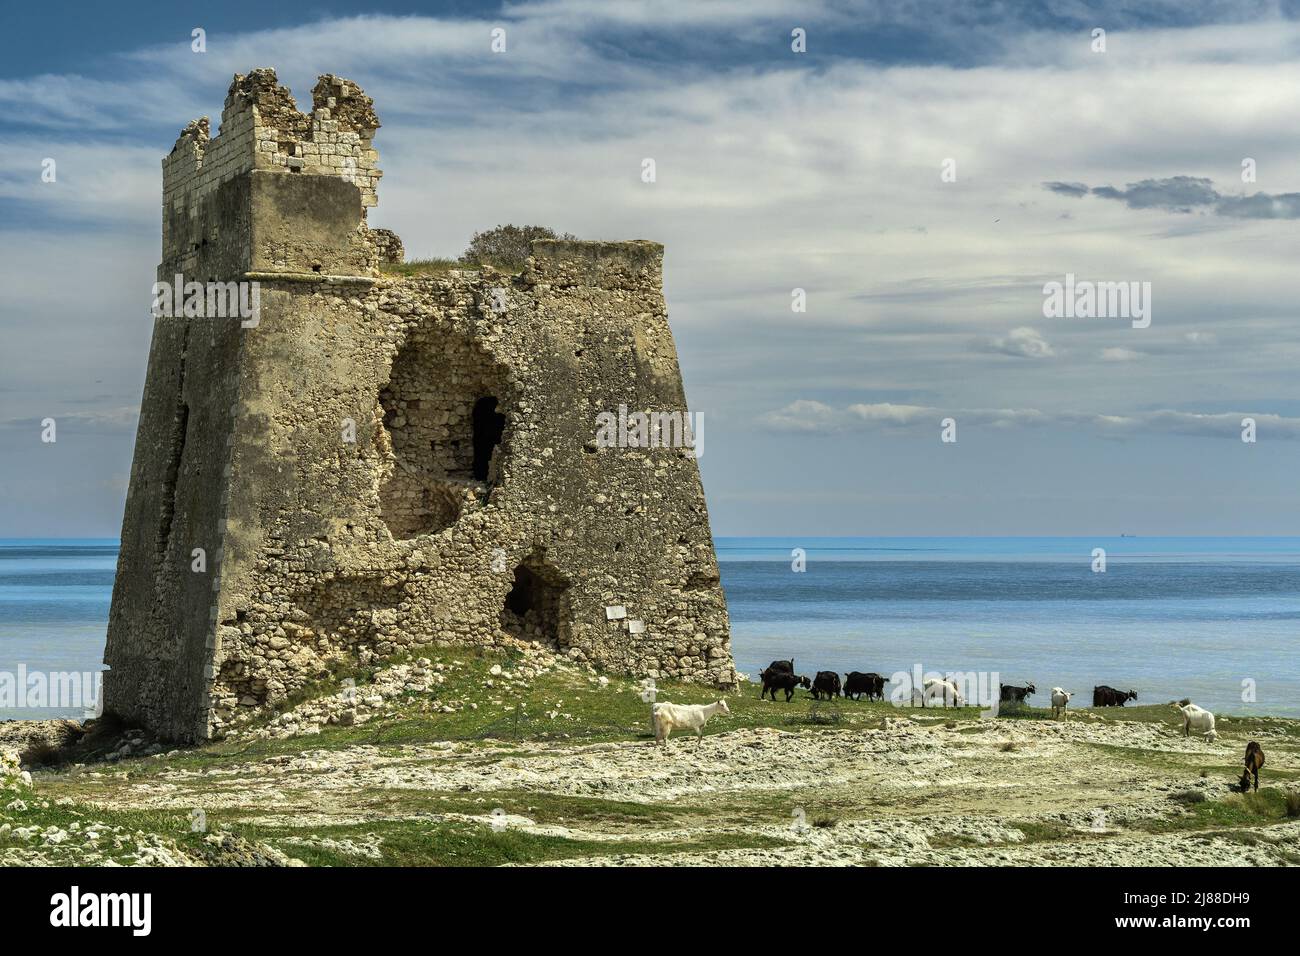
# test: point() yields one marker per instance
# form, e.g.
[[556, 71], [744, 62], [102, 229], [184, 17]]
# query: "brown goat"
[[1254, 761]]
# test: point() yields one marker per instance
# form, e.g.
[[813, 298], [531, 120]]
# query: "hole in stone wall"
[[520, 599], [488, 424], [446, 429], [537, 606]]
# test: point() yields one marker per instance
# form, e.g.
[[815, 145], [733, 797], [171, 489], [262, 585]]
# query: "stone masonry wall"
[[386, 462]]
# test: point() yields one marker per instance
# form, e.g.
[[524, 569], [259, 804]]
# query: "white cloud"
[[811, 416], [804, 415], [1022, 342], [122, 417]]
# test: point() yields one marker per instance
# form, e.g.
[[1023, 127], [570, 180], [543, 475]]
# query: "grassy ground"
[[584, 711], [557, 765]]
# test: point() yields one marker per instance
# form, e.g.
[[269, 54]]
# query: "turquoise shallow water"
[[1170, 617]]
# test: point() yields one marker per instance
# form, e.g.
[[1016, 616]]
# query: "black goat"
[[826, 682], [774, 680], [857, 683], [1017, 695], [1103, 696]]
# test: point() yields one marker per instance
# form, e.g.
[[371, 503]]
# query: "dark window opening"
[[521, 597], [489, 425], [536, 608], [443, 439]]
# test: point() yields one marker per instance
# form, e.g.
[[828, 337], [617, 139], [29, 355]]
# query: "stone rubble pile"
[[444, 691]]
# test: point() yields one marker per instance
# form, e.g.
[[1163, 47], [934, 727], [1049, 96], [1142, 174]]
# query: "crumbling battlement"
[[381, 462], [262, 130]]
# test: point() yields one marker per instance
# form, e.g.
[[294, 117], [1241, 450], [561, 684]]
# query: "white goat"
[[669, 717], [942, 690], [1060, 699], [1198, 719]]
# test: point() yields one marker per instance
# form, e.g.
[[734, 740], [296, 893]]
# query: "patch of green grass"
[[1244, 837], [44, 813], [1266, 807], [420, 267], [1136, 714], [542, 806], [1179, 762], [1024, 712], [1043, 831], [461, 843], [440, 266], [1165, 760], [945, 841]]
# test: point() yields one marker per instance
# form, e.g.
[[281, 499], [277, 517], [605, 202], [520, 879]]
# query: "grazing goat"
[[787, 666], [1060, 698], [1103, 696], [1017, 694], [1198, 719], [774, 680], [944, 690], [857, 683], [1254, 761], [826, 682], [669, 717]]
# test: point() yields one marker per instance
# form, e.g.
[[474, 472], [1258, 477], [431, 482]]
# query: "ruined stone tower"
[[375, 462]]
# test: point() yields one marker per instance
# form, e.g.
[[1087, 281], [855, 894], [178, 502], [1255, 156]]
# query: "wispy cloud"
[[816, 417], [1187, 194], [1022, 342], [120, 418]]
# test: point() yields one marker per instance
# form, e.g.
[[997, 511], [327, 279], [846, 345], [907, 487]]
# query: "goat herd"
[[780, 675]]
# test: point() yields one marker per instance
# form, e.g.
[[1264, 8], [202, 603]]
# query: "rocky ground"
[[460, 759]]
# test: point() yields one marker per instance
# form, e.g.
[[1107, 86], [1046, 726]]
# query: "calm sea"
[[1170, 617]]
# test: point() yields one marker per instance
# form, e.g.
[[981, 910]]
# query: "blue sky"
[[776, 171]]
